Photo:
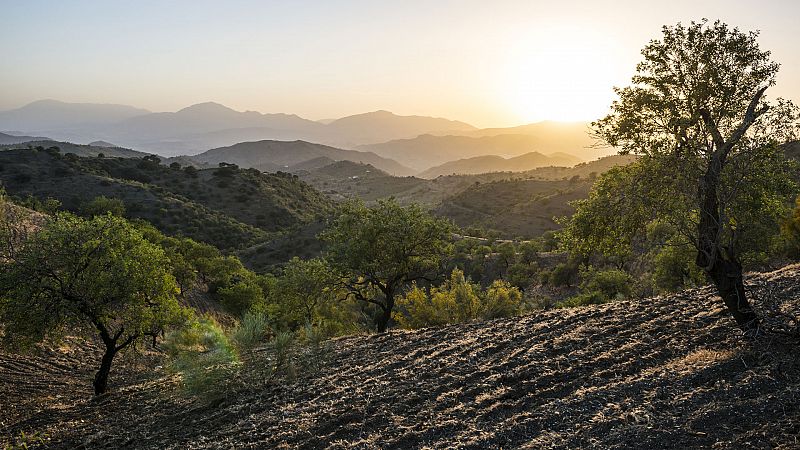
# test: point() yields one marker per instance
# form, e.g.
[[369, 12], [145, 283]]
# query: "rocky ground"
[[666, 372]]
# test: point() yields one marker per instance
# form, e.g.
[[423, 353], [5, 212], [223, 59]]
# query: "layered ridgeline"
[[210, 125], [273, 156], [97, 148], [10, 139], [494, 163], [227, 207], [426, 151]]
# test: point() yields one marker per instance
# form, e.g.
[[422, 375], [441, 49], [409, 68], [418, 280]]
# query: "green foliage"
[[242, 296], [457, 300], [254, 329], [25, 441], [712, 133], [562, 275], [98, 273], [304, 286], [102, 205], [583, 299], [384, 248], [790, 230], [501, 300], [203, 355], [611, 284], [79, 275]]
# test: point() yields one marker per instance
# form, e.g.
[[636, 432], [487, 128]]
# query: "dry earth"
[[666, 372]]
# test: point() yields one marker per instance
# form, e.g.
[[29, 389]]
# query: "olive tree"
[[698, 115], [382, 249], [98, 275]]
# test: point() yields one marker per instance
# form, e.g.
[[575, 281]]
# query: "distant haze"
[[489, 64]]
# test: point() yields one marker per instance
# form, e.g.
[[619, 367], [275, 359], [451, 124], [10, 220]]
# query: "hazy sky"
[[491, 63]]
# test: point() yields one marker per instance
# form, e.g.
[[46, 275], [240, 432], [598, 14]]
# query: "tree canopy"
[[95, 274], [710, 164], [379, 250]]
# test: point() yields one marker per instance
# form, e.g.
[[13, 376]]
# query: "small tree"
[[709, 140], [98, 274], [385, 248], [303, 287]]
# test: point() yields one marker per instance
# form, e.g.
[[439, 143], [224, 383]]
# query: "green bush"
[[254, 329], [612, 284], [455, 301], [501, 300], [583, 299], [203, 356]]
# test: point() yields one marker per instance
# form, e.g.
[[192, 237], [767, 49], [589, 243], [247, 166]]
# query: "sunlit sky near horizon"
[[498, 63]]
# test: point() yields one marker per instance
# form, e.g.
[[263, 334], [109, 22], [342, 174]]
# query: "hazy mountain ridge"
[[78, 149], [210, 125], [426, 151], [10, 139], [494, 163], [271, 156]]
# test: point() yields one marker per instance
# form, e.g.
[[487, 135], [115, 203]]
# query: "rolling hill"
[[670, 372], [8, 139], [493, 163], [78, 149], [514, 208], [229, 208], [272, 156], [426, 151]]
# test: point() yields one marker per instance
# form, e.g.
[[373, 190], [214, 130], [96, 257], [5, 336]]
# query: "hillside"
[[426, 151], [494, 163], [515, 208], [230, 209], [665, 372], [78, 149], [8, 139], [66, 118], [271, 156]]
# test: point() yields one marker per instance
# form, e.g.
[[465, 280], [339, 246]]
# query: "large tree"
[[379, 250], [708, 137], [98, 275]]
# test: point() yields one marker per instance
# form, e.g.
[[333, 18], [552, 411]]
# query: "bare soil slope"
[[666, 372]]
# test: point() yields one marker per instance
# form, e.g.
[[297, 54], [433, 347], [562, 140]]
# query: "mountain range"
[[425, 151], [209, 125], [273, 156], [417, 142], [494, 163]]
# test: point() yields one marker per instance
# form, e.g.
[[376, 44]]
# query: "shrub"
[[455, 301], [254, 329], [242, 296], [501, 300], [583, 299], [102, 205], [612, 284], [203, 356]]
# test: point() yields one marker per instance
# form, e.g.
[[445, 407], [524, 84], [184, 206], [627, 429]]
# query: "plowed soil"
[[666, 372]]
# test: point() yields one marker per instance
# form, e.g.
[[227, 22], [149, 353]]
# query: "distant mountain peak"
[[206, 107]]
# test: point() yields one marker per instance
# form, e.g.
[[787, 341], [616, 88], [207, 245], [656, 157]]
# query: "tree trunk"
[[382, 321], [727, 277], [720, 262], [101, 378]]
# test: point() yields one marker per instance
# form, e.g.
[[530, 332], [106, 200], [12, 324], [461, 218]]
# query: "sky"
[[489, 63]]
